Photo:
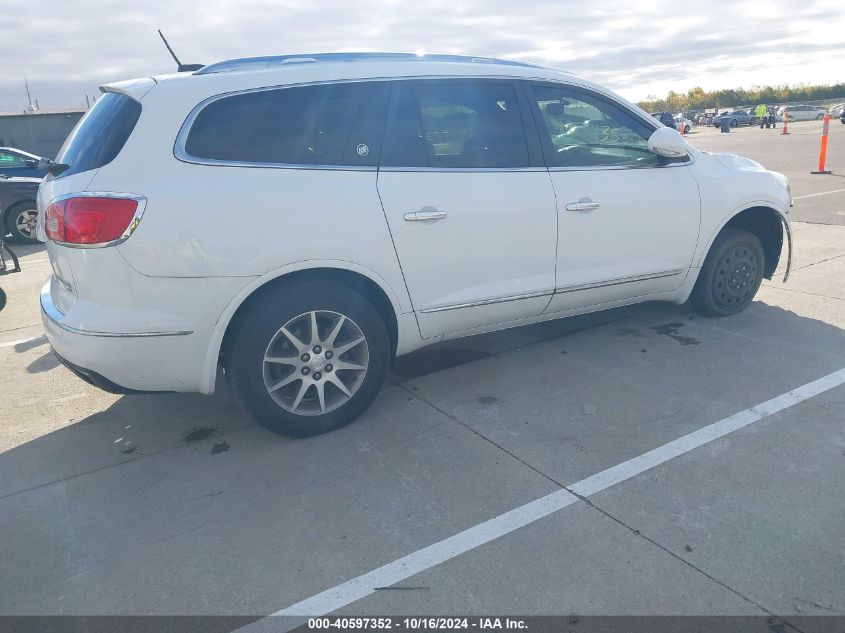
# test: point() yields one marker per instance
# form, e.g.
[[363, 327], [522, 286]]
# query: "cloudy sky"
[[66, 48]]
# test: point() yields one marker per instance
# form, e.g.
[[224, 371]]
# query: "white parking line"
[[442, 551], [23, 340], [813, 195]]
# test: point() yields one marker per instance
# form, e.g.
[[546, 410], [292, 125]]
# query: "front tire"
[[731, 274], [733, 123], [308, 357], [21, 220]]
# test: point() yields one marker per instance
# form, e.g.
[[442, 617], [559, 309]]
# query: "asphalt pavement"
[[705, 460]]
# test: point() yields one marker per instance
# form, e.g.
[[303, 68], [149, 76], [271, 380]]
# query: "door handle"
[[427, 214], [584, 204]]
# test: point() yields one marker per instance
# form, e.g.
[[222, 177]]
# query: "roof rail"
[[272, 61]]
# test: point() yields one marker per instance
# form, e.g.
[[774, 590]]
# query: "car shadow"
[[45, 363], [26, 250], [154, 496]]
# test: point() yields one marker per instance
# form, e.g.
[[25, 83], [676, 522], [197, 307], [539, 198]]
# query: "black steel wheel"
[[731, 275]]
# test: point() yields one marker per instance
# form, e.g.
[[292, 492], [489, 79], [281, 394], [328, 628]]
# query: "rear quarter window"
[[331, 124], [98, 138]]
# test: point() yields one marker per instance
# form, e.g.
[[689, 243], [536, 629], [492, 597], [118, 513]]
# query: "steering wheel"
[[572, 154]]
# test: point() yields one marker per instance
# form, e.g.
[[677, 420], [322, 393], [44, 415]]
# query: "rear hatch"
[[95, 141]]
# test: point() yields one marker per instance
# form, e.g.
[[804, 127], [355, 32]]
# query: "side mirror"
[[43, 164], [667, 142]]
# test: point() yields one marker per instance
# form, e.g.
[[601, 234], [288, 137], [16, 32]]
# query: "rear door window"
[[329, 124], [101, 134], [456, 124]]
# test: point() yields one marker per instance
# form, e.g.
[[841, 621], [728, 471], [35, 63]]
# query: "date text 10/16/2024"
[[416, 624]]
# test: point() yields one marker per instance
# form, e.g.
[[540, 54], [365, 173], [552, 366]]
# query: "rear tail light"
[[94, 220]]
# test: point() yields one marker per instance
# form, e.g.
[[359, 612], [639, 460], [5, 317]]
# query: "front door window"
[[580, 130]]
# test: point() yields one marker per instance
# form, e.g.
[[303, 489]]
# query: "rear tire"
[[311, 384], [21, 219], [731, 274], [733, 123]]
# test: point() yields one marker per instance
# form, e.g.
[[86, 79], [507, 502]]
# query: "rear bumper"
[[95, 379], [126, 362]]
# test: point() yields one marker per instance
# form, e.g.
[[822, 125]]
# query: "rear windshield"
[[101, 134]]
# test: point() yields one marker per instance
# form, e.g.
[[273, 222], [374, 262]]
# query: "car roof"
[[15, 150], [293, 68], [250, 73], [272, 61]]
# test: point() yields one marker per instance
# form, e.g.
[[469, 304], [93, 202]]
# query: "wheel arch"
[[769, 225], [375, 289]]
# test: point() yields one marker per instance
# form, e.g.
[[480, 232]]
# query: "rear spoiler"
[[135, 88]]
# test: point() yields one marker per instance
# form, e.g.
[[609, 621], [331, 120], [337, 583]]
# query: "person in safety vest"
[[762, 115]]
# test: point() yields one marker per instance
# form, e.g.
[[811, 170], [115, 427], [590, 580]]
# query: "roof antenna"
[[29, 106], [180, 67]]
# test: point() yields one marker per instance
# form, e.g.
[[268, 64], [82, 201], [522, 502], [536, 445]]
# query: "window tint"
[[11, 160], [101, 134], [331, 124], [582, 130], [460, 124]]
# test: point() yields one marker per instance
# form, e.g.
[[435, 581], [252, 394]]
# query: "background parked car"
[[683, 124], [802, 113], [836, 110], [842, 117], [18, 163], [665, 118], [18, 212], [705, 118], [737, 117]]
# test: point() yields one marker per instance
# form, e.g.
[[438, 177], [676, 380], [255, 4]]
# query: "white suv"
[[301, 220]]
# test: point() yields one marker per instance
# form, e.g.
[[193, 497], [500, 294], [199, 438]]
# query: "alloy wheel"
[[25, 223], [315, 362]]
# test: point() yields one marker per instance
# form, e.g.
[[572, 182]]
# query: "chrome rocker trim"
[[473, 304], [549, 293], [620, 280]]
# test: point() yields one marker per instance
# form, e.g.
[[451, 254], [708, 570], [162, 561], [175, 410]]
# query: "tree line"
[[699, 99]]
